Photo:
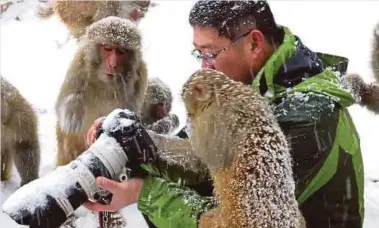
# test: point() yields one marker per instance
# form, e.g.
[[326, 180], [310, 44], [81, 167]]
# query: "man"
[[241, 39]]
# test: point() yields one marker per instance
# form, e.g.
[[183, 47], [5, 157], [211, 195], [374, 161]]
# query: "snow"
[[114, 123], [324, 26]]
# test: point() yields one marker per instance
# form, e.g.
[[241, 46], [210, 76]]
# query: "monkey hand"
[[71, 114], [94, 131], [165, 125]]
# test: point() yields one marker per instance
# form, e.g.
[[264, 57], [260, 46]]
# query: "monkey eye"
[[107, 47], [121, 51], [199, 89]]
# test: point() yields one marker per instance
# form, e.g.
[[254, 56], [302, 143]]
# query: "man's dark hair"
[[228, 17]]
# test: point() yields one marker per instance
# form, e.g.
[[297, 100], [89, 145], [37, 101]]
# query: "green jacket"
[[311, 109]]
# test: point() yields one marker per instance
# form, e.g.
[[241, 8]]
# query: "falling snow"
[[167, 54]]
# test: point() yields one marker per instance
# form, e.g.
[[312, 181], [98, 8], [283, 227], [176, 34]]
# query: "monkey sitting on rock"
[[19, 135], [107, 72], [156, 108], [235, 133], [367, 94]]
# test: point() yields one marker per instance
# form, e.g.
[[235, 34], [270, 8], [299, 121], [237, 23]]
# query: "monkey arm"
[[72, 100], [176, 161], [171, 195], [165, 125]]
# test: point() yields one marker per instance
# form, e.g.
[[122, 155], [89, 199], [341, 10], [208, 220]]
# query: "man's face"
[[234, 61]]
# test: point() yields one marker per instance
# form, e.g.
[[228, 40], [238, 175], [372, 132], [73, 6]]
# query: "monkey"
[[19, 135], [156, 107], [107, 72], [367, 95], [235, 133], [78, 15]]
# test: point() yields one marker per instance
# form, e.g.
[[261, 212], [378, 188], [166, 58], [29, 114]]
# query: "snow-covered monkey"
[[367, 94], [107, 72], [155, 113], [77, 15], [19, 135], [235, 133]]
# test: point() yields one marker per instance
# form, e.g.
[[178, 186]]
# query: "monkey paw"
[[71, 115]]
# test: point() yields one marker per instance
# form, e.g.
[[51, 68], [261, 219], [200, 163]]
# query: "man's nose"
[[207, 65]]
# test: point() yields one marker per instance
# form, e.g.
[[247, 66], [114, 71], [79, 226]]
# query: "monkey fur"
[[85, 95], [158, 92], [78, 15], [235, 133], [367, 95], [19, 135]]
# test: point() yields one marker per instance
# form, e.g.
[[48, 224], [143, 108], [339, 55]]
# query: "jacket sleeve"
[[169, 197], [310, 122], [169, 204]]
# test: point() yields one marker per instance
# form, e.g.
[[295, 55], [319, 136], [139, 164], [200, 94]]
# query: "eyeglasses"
[[209, 57]]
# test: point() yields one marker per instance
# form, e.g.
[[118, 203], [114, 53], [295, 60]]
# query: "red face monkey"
[[106, 73]]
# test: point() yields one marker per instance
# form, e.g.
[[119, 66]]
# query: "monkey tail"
[[375, 53]]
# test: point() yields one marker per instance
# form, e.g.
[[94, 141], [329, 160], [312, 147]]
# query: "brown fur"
[[235, 133], [90, 97], [367, 95], [19, 135], [78, 15]]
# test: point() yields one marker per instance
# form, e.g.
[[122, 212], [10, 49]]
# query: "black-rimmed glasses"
[[212, 57]]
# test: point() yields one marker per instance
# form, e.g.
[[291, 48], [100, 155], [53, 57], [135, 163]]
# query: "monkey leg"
[[69, 147], [6, 164], [27, 160], [228, 214]]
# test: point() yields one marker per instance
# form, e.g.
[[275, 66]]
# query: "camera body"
[[122, 144]]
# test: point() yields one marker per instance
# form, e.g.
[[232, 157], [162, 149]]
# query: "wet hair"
[[229, 17]]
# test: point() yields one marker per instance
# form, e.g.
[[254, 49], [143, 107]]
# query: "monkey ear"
[[201, 92]]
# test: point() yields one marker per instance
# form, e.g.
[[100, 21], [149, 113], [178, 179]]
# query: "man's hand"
[[93, 130], [124, 194]]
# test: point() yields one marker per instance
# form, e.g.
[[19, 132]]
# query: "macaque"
[[19, 135], [78, 15], [367, 94], [156, 108], [107, 72], [235, 133]]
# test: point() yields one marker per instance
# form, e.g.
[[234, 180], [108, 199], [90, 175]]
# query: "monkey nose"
[[136, 15]]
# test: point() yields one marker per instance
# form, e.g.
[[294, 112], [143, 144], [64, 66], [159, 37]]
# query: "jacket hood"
[[293, 67]]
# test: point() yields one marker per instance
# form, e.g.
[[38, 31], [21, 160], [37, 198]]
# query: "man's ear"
[[257, 40]]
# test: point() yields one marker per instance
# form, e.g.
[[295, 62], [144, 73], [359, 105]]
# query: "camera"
[[48, 201]]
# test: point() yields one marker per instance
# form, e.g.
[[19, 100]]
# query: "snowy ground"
[[31, 59]]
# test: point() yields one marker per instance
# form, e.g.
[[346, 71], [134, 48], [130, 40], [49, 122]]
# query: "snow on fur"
[[158, 91], [115, 30], [236, 134]]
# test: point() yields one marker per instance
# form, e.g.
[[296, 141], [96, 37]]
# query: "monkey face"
[[114, 61], [134, 10]]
